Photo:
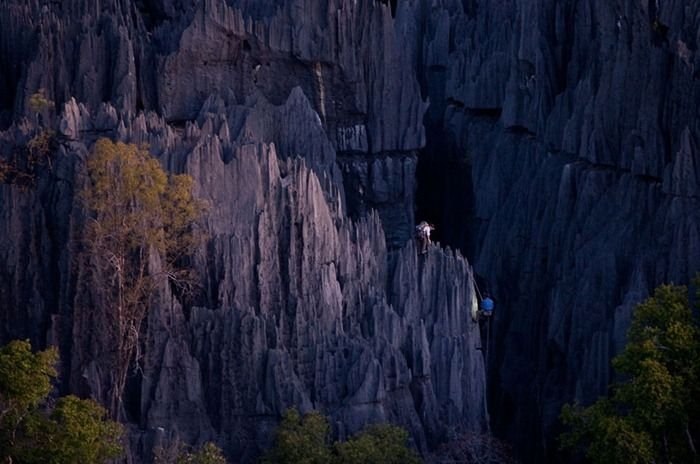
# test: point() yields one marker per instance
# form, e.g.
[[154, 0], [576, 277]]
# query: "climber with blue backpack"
[[487, 306]]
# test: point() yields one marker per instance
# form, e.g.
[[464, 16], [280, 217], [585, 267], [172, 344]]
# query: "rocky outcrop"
[[558, 150], [301, 305], [305, 300], [577, 120]]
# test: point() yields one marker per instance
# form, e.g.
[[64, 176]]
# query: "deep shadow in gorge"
[[444, 194], [445, 197], [444, 191]]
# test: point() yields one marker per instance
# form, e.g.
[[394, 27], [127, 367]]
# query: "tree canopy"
[[177, 453], [305, 440], [652, 414], [73, 430], [140, 227], [377, 444], [301, 440]]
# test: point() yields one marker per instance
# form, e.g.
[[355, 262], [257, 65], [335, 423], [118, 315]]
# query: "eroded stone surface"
[[577, 123]]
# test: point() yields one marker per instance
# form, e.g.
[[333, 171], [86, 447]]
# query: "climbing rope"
[[486, 353], [471, 276], [488, 323]]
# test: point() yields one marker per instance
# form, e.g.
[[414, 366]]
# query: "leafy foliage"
[[378, 444], [177, 453], [304, 440], [301, 440], [209, 454], [25, 377], [652, 416], [138, 216], [24, 166], [38, 102], [78, 431], [74, 430], [39, 149]]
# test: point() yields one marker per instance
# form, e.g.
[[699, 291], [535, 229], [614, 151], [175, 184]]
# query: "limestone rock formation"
[[301, 132], [579, 120], [555, 141]]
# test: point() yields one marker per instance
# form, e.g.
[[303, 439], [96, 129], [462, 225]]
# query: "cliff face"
[[297, 122], [555, 142], [580, 124]]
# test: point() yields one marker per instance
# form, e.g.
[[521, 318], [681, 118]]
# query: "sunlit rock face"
[[301, 124]]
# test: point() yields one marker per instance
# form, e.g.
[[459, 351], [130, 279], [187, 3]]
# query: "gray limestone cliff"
[[579, 124], [301, 132], [553, 142]]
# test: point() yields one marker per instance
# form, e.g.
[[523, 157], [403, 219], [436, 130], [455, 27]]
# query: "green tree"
[[301, 440], [77, 431], [208, 454], [39, 146], [652, 415], [25, 381], [140, 227], [176, 452], [378, 444], [304, 440], [74, 430], [38, 102], [39, 150]]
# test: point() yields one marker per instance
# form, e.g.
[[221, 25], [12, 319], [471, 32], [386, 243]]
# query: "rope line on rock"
[[488, 323], [476, 286]]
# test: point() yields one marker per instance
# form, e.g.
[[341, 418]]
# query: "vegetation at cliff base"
[[34, 431], [380, 443], [140, 228], [304, 440], [177, 453], [653, 413]]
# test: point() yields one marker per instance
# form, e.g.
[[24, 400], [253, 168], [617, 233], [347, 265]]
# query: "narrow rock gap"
[[440, 197], [444, 192]]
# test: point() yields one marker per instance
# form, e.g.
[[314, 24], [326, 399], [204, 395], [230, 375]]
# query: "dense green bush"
[[31, 432], [304, 440], [653, 414]]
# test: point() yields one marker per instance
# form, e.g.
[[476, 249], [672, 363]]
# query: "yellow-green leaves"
[[135, 212], [25, 377], [301, 440], [304, 440], [378, 444], [135, 204], [126, 186], [38, 102], [80, 432], [208, 454], [73, 431]]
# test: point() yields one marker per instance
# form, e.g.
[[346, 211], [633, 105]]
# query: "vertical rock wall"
[[560, 142], [579, 122], [300, 123]]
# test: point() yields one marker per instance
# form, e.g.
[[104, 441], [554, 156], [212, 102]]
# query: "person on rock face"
[[423, 231], [487, 305]]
